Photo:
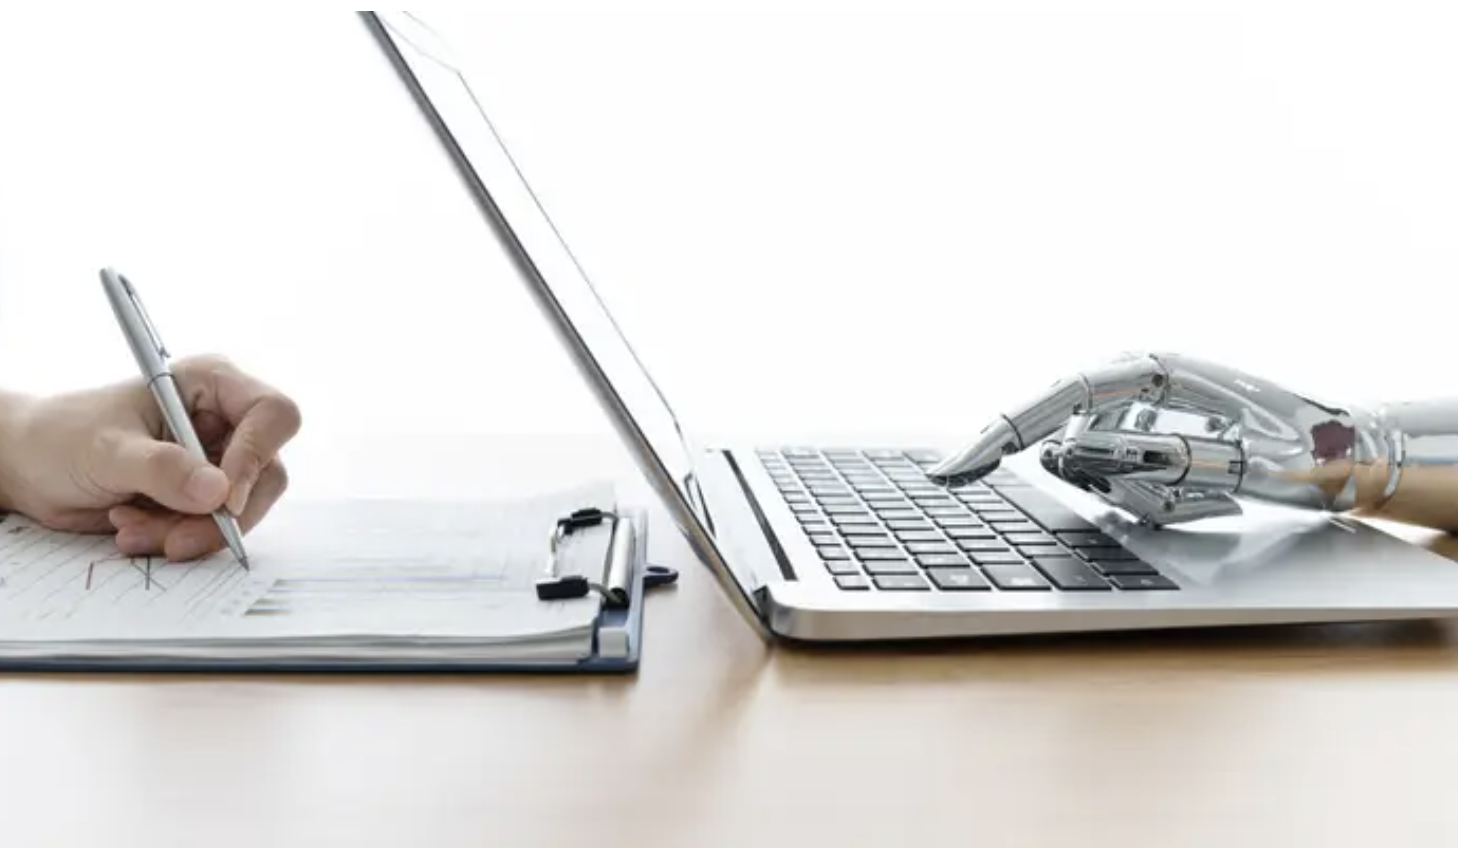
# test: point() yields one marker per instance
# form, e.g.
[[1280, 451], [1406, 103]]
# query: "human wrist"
[[14, 407], [1423, 483]]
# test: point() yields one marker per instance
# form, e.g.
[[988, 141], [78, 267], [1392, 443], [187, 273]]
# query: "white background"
[[834, 220]]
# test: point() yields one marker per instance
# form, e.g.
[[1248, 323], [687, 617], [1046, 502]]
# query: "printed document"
[[403, 578]]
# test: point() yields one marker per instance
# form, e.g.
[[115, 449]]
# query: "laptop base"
[[853, 545]]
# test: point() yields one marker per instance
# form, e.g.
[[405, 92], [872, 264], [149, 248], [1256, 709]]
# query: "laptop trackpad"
[[1270, 547]]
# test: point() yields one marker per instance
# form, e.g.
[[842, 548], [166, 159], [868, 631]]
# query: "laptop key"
[[1071, 574], [883, 454], [845, 509], [901, 583], [958, 579], [1123, 567], [995, 507], [995, 557], [889, 567], [833, 552], [980, 503], [1020, 577], [859, 542], [824, 539], [847, 520], [1044, 551], [1046, 510], [853, 582], [842, 566], [883, 507], [854, 530], [1005, 527], [942, 561], [1132, 582], [982, 545], [919, 536], [1106, 554], [981, 533], [946, 512], [1093, 539], [930, 548], [1036, 538], [869, 554], [911, 524], [958, 521]]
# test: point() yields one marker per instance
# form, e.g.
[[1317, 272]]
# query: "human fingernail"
[[239, 498], [206, 485]]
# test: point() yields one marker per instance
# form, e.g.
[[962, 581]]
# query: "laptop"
[[853, 543]]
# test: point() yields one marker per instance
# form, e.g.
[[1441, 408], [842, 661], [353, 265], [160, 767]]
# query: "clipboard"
[[610, 550]]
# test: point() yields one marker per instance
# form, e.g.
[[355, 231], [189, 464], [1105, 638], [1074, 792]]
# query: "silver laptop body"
[[852, 543]]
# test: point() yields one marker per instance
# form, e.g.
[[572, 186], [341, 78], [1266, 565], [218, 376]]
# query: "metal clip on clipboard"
[[554, 586]]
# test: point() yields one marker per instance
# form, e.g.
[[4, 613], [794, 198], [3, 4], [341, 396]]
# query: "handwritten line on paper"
[[131, 561]]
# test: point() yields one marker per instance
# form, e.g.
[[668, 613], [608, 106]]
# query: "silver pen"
[[152, 356]]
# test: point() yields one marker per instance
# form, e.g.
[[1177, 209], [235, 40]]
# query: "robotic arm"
[[1171, 439]]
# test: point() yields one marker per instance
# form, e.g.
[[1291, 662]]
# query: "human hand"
[[1170, 438], [99, 460]]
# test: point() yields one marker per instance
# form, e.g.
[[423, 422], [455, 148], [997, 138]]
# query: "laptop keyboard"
[[879, 524]]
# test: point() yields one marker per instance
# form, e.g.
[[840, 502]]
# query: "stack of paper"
[[366, 582]]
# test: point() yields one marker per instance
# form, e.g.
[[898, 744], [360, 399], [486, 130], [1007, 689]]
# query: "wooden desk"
[[1326, 736]]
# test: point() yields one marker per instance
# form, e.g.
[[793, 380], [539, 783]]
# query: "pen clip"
[[146, 319]]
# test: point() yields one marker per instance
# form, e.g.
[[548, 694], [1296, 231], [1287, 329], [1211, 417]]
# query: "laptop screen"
[[639, 411]]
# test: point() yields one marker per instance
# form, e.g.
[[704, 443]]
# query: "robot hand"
[[1170, 439]]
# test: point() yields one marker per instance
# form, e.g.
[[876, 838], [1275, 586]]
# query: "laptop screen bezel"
[[685, 504]]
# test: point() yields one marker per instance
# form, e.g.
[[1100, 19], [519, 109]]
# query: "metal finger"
[[1050, 454], [1145, 502], [1149, 418], [1114, 385], [1189, 505], [1157, 505], [1204, 387], [1170, 459]]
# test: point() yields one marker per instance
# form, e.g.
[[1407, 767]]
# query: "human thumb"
[[165, 472]]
